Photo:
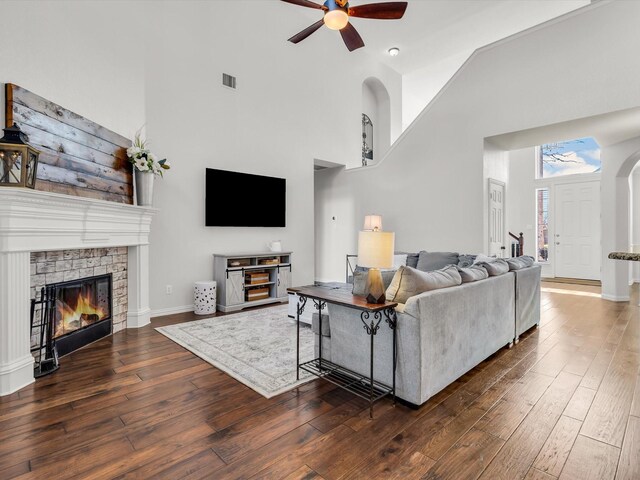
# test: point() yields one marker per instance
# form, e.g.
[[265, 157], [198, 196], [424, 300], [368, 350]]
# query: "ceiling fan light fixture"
[[336, 19], [394, 51]]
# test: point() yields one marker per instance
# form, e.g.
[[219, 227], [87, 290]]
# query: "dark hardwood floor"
[[563, 403]]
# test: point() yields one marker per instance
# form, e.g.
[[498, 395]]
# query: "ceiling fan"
[[336, 17]]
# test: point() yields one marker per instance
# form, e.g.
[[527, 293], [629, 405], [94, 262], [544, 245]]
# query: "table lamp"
[[375, 251], [373, 222]]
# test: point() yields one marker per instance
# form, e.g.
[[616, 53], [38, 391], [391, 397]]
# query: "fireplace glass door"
[[81, 303]]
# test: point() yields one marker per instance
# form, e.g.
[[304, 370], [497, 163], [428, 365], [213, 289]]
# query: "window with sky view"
[[581, 155]]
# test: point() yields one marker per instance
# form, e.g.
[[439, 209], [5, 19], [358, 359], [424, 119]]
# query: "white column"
[[139, 312], [16, 362]]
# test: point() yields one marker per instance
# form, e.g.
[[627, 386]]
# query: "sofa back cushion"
[[472, 273], [429, 261], [409, 282], [497, 267]]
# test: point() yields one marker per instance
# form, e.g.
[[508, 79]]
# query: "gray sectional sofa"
[[442, 333]]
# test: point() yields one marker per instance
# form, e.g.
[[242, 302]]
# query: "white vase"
[[144, 188]]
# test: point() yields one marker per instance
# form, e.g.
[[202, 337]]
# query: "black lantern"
[[18, 160]]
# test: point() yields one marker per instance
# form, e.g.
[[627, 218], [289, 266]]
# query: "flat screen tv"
[[235, 199]]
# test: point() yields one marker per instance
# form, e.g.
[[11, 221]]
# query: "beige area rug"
[[257, 348]]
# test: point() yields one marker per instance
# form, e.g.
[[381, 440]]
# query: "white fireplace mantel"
[[32, 221]]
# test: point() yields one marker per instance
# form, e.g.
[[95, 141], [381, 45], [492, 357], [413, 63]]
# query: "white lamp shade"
[[375, 249], [373, 222]]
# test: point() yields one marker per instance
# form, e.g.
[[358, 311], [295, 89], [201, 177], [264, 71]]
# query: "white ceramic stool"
[[204, 296]]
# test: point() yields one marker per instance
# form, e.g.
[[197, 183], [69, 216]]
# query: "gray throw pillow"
[[527, 260], [429, 261], [496, 268], [409, 282], [472, 273], [360, 280], [412, 259], [518, 263], [515, 263], [465, 261]]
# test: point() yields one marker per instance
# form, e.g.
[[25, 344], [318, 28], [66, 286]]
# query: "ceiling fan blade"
[[298, 37], [381, 11], [351, 37], [306, 3]]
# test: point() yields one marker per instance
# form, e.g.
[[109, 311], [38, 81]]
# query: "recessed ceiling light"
[[394, 51]]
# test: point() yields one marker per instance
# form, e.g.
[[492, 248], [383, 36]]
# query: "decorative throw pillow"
[[496, 268], [480, 258], [465, 261], [515, 263], [429, 261], [518, 263], [409, 282], [472, 273], [527, 260], [360, 280], [412, 260]]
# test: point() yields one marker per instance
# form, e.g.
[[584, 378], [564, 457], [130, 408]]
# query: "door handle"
[[557, 243]]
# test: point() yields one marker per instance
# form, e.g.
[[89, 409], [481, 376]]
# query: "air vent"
[[228, 80]]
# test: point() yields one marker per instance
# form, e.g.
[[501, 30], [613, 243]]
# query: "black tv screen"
[[235, 199]]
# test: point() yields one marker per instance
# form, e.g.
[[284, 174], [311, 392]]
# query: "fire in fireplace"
[[82, 312], [79, 305]]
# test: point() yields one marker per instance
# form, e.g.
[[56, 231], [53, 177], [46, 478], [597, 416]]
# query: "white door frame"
[[493, 181]]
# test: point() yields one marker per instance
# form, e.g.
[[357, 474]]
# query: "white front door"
[[496, 218], [577, 230]]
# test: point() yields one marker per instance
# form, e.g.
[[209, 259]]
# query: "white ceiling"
[[434, 30]]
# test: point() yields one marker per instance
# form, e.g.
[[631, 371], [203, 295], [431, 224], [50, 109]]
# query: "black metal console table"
[[371, 315]]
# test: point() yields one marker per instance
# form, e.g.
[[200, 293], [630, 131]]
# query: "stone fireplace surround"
[[35, 221]]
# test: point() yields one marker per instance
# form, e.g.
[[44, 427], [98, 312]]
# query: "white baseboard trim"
[[615, 298], [161, 312], [16, 375], [138, 319]]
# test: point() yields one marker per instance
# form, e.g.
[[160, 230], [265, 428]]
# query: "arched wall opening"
[[619, 161], [376, 104]]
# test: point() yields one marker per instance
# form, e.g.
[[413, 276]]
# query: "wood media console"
[[251, 279]]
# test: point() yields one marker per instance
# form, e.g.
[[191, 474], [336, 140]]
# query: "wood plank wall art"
[[78, 157]]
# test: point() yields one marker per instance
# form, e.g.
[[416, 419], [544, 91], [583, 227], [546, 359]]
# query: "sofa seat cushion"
[[429, 261], [472, 273], [409, 282], [496, 268]]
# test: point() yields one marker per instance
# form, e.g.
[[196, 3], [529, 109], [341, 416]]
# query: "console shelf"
[[229, 272]]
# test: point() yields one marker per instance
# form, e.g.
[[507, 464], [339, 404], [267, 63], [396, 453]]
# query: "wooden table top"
[[340, 297]]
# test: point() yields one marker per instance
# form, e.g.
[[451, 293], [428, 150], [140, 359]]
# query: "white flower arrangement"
[[142, 158]]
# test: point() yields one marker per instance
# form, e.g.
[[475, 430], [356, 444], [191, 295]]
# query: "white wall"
[[422, 85], [124, 64], [634, 240], [294, 104], [431, 183], [618, 161], [85, 56], [521, 201]]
